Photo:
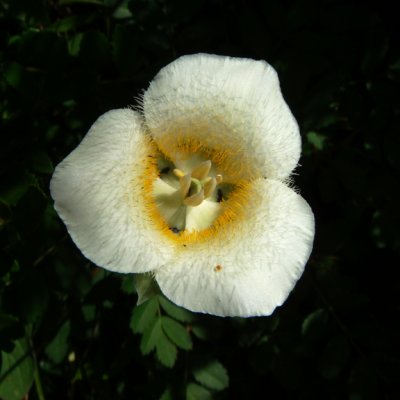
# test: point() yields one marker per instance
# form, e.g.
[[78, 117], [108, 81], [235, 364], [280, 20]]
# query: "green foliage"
[[16, 373], [197, 392], [211, 373], [65, 62], [57, 349], [177, 333], [160, 332]]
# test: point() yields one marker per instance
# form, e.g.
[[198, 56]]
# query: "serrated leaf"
[[175, 311], [197, 392], [16, 373], [151, 336], [177, 333], [144, 315], [166, 351], [212, 374]]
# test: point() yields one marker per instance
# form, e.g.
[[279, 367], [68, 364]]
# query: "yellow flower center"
[[187, 197], [196, 185], [199, 195]]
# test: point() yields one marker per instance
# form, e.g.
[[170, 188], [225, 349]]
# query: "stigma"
[[197, 185]]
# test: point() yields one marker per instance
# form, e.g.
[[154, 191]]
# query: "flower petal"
[[98, 192], [221, 102], [251, 267]]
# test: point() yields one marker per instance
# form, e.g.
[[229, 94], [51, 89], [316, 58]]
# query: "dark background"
[[65, 325]]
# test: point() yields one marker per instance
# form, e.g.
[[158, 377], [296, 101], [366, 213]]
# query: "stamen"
[[201, 171], [209, 187], [178, 173], [194, 200], [176, 197], [185, 182]]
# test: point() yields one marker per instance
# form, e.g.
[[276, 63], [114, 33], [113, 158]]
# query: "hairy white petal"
[[202, 216], [251, 268], [231, 103], [98, 192]]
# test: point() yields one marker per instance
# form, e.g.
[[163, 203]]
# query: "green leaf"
[[314, 324], [316, 139], [10, 329], [13, 73], [127, 284], [89, 312], [122, 11], [212, 374], [175, 311], [166, 351], [70, 23], [57, 349], [200, 331], [197, 392], [151, 336], [144, 315], [12, 194], [16, 374], [167, 395], [74, 44], [177, 333], [146, 287]]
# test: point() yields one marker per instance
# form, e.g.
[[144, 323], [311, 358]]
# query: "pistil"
[[179, 192], [197, 185]]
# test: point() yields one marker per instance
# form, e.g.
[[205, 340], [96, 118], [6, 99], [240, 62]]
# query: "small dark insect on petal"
[[175, 230]]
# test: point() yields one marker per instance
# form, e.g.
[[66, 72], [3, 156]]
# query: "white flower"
[[193, 188]]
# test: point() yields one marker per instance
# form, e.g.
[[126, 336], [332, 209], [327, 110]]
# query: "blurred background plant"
[[71, 330]]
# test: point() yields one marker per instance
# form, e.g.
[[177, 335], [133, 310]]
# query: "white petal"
[[249, 268], [233, 104], [202, 216], [98, 192]]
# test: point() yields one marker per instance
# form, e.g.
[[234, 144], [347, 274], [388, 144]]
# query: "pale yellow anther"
[[218, 178], [185, 182], [195, 199], [209, 187], [178, 173], [201, 171]]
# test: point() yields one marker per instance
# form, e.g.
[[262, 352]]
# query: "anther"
[[185, 182], [194, 200], [178, 173], [202, 170], [209, 187]]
